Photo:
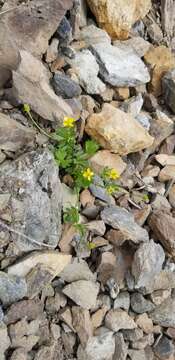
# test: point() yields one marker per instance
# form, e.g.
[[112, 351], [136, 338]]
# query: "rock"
[[104, 158], [163, 227], [141, 305], [52, 51], [116, 320], [132, 334], [162, 281], [164, 348], [12, 288], [140, 355], [83, 293], [38, 208], [65, 315], [160, 60], [69, 197], [144, 342], [98, 348], [53, 261], [92, 35], [82, 324], [164, 314], [172, 196], [137, 43], [121, 348], [133, 106], [165, 159], [5, 341], [54, 303], [168, 85], [98, 317], [19, 354], [30, 309], [122, 220], [118, 18], [167, 173], [160, 202], [64, 86], [78, 270], [148, 261], [31, 86], [23, 334], [119, 67], [122, 301], [86, 68], [157, 297], [14, 136], [122, 93], [145, 323], [108, 129], [98, 190], [39, 277]]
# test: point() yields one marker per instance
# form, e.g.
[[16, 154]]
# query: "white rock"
[[83, 293], [98, 348]]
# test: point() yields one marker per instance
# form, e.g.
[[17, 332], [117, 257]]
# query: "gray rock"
[[133, 334], [64, 31], [120, 219], [120, 67], [12, 288], [144, 119], [164, 314], [140, 354], [148, 261], [121, 349], [78, 270], [87, 69], [37, 279], [133, 106], [92, 35], [33, 180], [1, 314], [137, 43], [122, 301], [4, 341], [83, 293], [100, 347], [64, 86], [97, 190], [168, 85], [29, 309], [141, 305], [164, 349], [69, 197], [163, 281], [116, 320]]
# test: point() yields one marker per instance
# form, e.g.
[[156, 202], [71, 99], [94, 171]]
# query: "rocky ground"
[[111, 66]]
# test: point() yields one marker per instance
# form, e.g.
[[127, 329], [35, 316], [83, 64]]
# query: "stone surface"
[[30, 309], [157, 297], [162, 281], [12, 288], [121, 348], [104, 158], [121, 219], [39, 277], [172, 196], [163, 227], [160, 60], [137, 43], [92, 35], [52, 51], [133, 106], [141, 305], [98, 348], [77, 270], [119, 67], [132, 334], [31, 86], [164, 348], [13, 135], [145, 323], [97, 189], [69, 197], [140, 355], [165, 159], [86, 68], [168, 85], [167, 173], [83, 293], [108, 128], [82, 324], [64, 86], [38, 207], [118, 17], [164, 314], [148, 261], [4, 342], [116, 320], [122, 301]]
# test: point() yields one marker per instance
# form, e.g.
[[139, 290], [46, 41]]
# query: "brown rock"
[[65, 315], [118, 17], [145, 323], [109, 129], [172, 196], [167, 173], [119, 319], [160, 60], [98, 317], [68, 233], [82, 324], [168, 145], [122, 93], [30, 309], [86, 198], [165, 159], [105, 158], [161, 127]]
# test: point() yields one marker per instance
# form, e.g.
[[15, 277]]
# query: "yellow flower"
[[113, 174], [110, 190], [68, 122], [88, 174]]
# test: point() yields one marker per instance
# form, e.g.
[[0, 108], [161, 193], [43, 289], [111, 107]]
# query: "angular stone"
[[132, 334], [118, 67], [98, 190], [140, 355], [121, 348], [83, 293], [145, 323], [141, 305], [37, 279], [164, 348], [86, 68], [168, 85], [121, 219], [64, 86], [35, 176], [172, 196], [167, 173], [148, 261], [92, 35], [159, 296], [52, 51], [82, 324], [104, 158], [118, 17], [160, 60], [31, 86], [122, 301], [133, 106], [78, 270], [12, 288], [165, 159], [69, 197], [98, 348], [30, 309], [4, 340], [108, 128], [13, 135], [116, 320], [164, 314], [161, 127], [137, 43], [98, 317], [19, 354], [163, 227], [65, 315], [163, 281]]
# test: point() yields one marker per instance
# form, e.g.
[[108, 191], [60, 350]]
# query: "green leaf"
[[71, 215], [91, 147]]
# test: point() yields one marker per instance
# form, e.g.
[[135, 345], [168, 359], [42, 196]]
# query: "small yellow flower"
[[68, 122], [110, 190], [113, 174], [88, 174]]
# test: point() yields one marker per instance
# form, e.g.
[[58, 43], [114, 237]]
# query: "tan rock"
[[68, 233], [119, 319], [65, 315], [160, 60], [145, 323], [82, 324], [159, 296], [117, 131], [86, 198], [105, 158], [117, 17], [165, 159], [167, 173], [172, 196], [98, 317], [54, 260], [122, 93]]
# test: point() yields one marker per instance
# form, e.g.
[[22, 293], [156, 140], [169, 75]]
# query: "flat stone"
[[140, 355], [133, 106], [119, 67], [121, 219], [167, 173], [52, 51], [141, 305], [164, 348], [82, 324], [86, 68], [31, 86], [116, 320], [64, 86], [12, 288], [168, 85], [145, 323], [108, 129], [69, 197], [137, 43], [65, 315], [122, 301], [5, 340], [148, 261], [165, 159], [77, 270], [104, 158], [83, 293], [92, 35], [121, 348], [164, 314], [100, 347], [30, 309], [35, 176], [14, 136], [37, 279], [97, 189], [164, 280]]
